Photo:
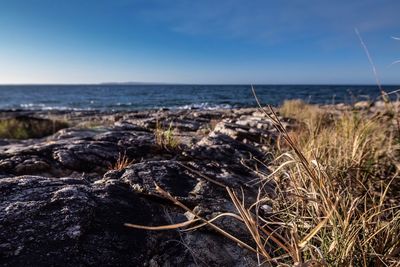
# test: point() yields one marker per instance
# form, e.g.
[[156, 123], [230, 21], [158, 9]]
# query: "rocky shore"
[[64, 198]]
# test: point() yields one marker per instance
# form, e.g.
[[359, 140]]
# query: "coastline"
[[74, 190]]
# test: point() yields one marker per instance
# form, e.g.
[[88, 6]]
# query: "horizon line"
[[202, 84]]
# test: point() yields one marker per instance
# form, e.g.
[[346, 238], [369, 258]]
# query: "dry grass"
[[122, 162], [353, 145], [333, 200], [311, 117]]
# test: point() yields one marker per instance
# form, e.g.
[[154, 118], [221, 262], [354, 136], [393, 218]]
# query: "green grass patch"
[[25, 127]]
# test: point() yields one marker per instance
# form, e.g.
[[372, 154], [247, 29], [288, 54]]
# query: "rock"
[[76, 150], [362, 105], [185, 180], [232, 142], [167, 174], [68, 222], [31, 166], [72, 222]]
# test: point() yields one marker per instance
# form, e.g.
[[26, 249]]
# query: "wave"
[[203, 106], [124, 106], [38, 106]]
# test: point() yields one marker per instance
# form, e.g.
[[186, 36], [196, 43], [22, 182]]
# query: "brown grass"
[[333, 189], [122, 162], [310, 117]]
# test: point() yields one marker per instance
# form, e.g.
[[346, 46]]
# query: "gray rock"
[[71, 222], [362, 105], [76, 150]]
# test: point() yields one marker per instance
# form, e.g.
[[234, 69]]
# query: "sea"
[[116, 97]]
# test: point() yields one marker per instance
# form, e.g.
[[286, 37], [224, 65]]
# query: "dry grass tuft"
[[352, 146], [122, 162], [333, 188], [311, 117]]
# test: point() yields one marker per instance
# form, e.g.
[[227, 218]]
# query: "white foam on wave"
[[119, 105], [39, 106], [203, 106]]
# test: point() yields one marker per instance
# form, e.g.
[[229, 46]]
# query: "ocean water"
[[138, 97]]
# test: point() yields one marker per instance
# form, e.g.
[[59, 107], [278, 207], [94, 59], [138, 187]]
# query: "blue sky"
[[182, 41]]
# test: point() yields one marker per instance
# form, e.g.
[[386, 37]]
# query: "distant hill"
[[134, 83]]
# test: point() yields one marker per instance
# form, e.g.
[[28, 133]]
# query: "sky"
[[206, 42]]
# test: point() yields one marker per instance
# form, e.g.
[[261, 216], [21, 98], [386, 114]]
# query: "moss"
[[25, 127]]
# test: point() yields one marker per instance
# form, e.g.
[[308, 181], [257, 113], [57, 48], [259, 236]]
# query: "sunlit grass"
[[334, 201], [122, 162], [26, 127], [165, 137]]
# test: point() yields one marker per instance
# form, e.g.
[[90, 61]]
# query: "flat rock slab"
[[72, 222], [76, 150]]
